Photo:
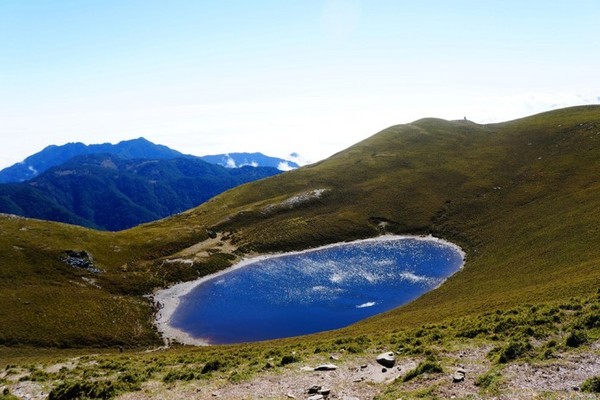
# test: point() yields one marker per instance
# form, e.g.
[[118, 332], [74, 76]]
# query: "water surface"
[[315, 290]]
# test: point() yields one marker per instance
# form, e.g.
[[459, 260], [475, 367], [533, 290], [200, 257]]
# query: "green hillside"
[[522, 198]]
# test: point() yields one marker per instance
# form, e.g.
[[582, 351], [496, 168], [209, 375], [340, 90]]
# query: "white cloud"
[[230, 163], [284, 166], [249, 163]]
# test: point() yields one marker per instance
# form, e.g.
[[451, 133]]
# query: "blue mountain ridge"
[[106, 191], [236, 160], [139, 148]]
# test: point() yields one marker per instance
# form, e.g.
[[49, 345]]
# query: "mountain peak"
[[54, 155]]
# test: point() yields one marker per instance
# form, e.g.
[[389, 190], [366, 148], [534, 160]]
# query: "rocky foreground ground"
[[464, 373]]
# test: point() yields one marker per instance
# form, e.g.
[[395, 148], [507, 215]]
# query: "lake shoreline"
[[170, 298]]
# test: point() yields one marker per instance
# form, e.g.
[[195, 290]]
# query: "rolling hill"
[[522, 198]]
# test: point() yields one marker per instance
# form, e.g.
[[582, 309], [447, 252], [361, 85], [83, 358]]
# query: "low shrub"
[[576, 339], [5, 395], [428, 366], [488, 380], [289, 359], [591, 321], [179, 375], [591, 385], [74, 390], [512, 351], [211, 366]]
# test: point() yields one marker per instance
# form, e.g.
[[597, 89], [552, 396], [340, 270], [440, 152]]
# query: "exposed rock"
[[325, 392], [296, 201], [316, 397], [326, 367], [313, 389], [388, 359], [80, 259], [459, 375]]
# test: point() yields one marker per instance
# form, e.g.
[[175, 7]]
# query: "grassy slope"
[[47, 302], [522, 198]]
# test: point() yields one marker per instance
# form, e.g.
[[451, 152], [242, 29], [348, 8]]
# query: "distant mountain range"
[[139, 148], [117, 186], [111, 192], [236, 160], [54, 155]]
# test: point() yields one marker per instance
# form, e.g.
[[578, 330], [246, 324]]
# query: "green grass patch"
[[429, 366], [591, 385], [489, 383]]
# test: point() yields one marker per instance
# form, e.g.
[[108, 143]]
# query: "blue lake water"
[[321, 289]]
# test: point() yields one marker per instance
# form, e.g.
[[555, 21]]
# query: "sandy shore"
[[170, 298]]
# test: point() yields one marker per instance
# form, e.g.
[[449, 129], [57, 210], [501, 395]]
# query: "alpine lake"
[[315, 290]]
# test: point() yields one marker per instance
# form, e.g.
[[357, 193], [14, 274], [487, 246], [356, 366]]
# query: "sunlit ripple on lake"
[[321, 289]]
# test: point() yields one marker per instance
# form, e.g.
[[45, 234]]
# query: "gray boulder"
[[388, 359], [326, 367], [459, 375]]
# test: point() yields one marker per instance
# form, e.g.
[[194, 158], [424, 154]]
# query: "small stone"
[[290, 396], [316, 397], [325, 392], [384, 370], [334, 357], [268, 365], [314, 389], [388, 359], [363, 366], [326, 367], [458, 378], [399, 368]]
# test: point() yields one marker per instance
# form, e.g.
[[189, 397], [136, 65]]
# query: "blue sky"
[[308, 76]]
